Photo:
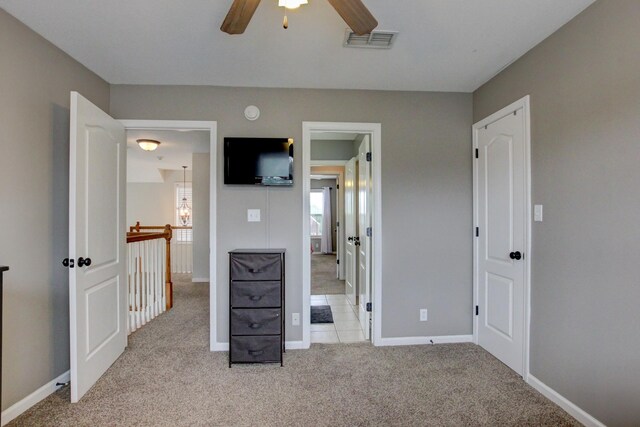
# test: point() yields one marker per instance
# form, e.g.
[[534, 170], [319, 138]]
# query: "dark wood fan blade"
[[239, 15], [356, 15]]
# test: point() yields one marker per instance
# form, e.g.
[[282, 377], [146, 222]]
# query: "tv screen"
[[258, 161]]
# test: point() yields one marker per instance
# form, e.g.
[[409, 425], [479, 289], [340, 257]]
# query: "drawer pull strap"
[[256, 352], [256, 297], [255, 270], [255, 325]]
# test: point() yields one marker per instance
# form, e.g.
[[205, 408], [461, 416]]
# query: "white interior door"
[[350, 220], [502, 237], [97, 292], [364, 239]]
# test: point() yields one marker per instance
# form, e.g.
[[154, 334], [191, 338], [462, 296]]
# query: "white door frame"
[[212, 128], [375, 130], [523, 104]]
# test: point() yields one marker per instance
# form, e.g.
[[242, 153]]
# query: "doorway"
[[200, 137], [98, 290], [502, 224], [352, 300]]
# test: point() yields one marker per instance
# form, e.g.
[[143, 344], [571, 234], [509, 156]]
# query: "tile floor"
[[345, 327]]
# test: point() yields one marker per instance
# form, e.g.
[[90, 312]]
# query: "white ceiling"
[[444, 45], [176, 150]]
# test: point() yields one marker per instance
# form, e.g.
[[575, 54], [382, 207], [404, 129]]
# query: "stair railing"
[[150, 289]]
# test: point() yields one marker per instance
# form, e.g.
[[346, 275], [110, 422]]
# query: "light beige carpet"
[[323, 276], [168, 377]]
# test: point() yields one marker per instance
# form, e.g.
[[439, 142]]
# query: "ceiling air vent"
[[375, 40]]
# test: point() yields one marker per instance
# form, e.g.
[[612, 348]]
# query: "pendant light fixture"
[[184, 210]]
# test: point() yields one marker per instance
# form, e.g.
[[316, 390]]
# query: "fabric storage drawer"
[[263, 321], [255, 294], [255, 349], [256, 267]]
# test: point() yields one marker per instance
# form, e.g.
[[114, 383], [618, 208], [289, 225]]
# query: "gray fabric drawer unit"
[[256, 306], [251, 349], [256, 267], [255, 294], [255, 321]]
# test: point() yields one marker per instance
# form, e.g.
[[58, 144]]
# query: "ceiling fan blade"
[[356, 15], [239, 15]]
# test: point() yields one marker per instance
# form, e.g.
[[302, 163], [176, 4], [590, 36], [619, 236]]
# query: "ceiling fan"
[[354, 13]]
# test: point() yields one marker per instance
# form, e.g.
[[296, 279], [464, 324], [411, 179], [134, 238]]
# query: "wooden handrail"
[[136, 236], [138, 227], [133, 237]]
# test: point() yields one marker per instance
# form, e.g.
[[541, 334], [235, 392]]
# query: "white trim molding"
[[523, 104], [375, 130], [212, 127], [328, 162], [443, 339], [20, 407], [571, 408]]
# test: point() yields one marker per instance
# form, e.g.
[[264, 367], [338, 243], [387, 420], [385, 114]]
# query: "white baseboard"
[[295, 345], [289, 345], [199, 279], [444, 339], [18, 408], [220, 346], [571, 408]]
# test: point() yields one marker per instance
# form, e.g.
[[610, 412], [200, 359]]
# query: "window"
[[317, 208], [183, 192]]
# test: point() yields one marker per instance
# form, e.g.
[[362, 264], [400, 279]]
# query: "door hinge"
[[338, 261], [369, 307], [477, 153], [477, 310], [338, 224], [337, 186], [369, 156], [477, 231], [369, 232]]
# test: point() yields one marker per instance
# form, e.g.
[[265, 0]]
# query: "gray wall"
[[584, 83], [154, 203], [35, 81], [426, 190], [319, 184], [200, 216], [322, 149]]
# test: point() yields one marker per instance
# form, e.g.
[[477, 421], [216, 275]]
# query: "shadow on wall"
[[60, 234]]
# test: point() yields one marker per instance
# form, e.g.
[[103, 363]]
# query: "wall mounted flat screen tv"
[[258, 161]]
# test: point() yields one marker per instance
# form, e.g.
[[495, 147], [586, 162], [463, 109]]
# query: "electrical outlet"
[[295, 319], [253, 215], [423, 315]]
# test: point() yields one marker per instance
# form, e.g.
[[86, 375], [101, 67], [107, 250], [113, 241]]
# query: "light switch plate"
[[537, 213], [253, 215], [295, 319]]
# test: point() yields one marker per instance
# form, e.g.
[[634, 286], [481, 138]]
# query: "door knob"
[[350, 238], [84, 262], [356, 241], [515, 255], [68, 262]]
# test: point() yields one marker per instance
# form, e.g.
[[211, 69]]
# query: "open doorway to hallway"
[[335, 314], [167, 219]]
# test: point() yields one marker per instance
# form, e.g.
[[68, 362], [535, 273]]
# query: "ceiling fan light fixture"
[[148, 144], [292, 4]]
